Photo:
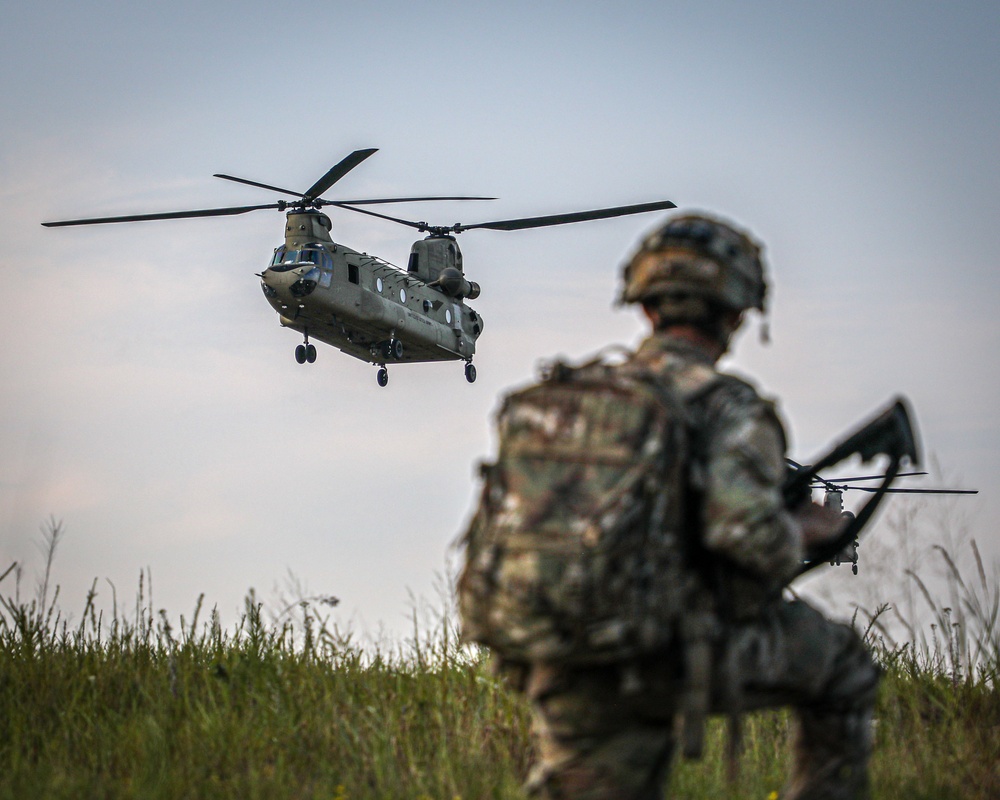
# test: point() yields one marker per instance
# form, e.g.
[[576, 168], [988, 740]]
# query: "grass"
[[130, 706]]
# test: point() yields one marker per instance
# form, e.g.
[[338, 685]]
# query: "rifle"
[[889, 433]]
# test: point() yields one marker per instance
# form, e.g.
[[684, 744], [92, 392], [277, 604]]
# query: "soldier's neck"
[[696, 337]]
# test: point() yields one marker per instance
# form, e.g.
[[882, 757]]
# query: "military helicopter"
[[359, 303], [833, 498]]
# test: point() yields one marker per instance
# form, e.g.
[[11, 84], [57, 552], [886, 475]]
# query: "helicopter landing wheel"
[[854, 568], [382, 376], [391, 348], [311, 353], [300, 354], [470, 373]]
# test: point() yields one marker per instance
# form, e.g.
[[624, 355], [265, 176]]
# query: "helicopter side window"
[[352, 273], [326, 269]]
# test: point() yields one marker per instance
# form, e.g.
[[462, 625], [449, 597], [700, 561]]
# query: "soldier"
[[608, 730]]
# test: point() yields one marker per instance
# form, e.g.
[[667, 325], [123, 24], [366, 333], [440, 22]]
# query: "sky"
[[150, 401]]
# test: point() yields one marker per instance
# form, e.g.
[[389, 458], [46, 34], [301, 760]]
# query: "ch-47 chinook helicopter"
[[833, 497], [361, 304]]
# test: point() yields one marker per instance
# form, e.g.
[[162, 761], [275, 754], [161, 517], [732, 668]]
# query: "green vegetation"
[[130, 706]]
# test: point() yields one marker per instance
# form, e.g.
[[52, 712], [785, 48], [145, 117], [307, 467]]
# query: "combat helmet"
[[693, 265]]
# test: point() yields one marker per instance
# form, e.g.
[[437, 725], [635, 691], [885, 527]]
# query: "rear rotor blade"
[[565, 219], [913, 491], [402, 200], [866, 477], [420, 226], [338, 171], [259, 185], [206, 212], [518, 224]]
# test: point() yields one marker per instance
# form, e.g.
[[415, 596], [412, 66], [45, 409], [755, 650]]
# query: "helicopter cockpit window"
[[284, 259]]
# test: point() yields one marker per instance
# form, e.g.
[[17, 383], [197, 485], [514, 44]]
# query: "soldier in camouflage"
[[609, 732]]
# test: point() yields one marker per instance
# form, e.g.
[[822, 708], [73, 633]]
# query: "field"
[[129, 705]]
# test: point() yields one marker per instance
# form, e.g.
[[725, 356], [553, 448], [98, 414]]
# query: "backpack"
[[577, 552]]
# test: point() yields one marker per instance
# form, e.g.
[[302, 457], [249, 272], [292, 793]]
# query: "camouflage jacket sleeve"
[[744, 518]]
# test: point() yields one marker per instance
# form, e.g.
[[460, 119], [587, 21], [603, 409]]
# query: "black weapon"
[[889, 433]]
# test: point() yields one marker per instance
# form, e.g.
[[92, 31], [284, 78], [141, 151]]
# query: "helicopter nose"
[[289, 284]]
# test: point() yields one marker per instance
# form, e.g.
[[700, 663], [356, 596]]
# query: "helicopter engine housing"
[[453, 283]]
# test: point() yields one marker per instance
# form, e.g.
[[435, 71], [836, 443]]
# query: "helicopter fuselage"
[[366, 307]]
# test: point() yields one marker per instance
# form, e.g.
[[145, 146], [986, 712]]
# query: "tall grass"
[[284, 704], [133, 707]]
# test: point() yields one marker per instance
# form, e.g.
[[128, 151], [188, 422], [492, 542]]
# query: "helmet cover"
[[693, 261]]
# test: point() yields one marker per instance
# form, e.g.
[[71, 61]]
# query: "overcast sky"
[[150, 400]]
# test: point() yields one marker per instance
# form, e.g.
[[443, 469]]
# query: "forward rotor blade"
[[338, 171], [206, 212], [402, 200], [565, 219], [259, 185]]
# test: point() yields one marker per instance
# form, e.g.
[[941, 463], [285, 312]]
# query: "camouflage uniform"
[[608, 732]]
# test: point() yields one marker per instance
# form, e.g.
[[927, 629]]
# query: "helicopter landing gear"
[[305, 352], [382, 376], [470, 372], [391, 348]]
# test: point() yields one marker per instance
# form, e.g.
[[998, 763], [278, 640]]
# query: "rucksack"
[[578, 551]]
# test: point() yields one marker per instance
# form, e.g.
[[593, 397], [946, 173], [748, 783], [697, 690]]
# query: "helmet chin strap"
[[765, 332]]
